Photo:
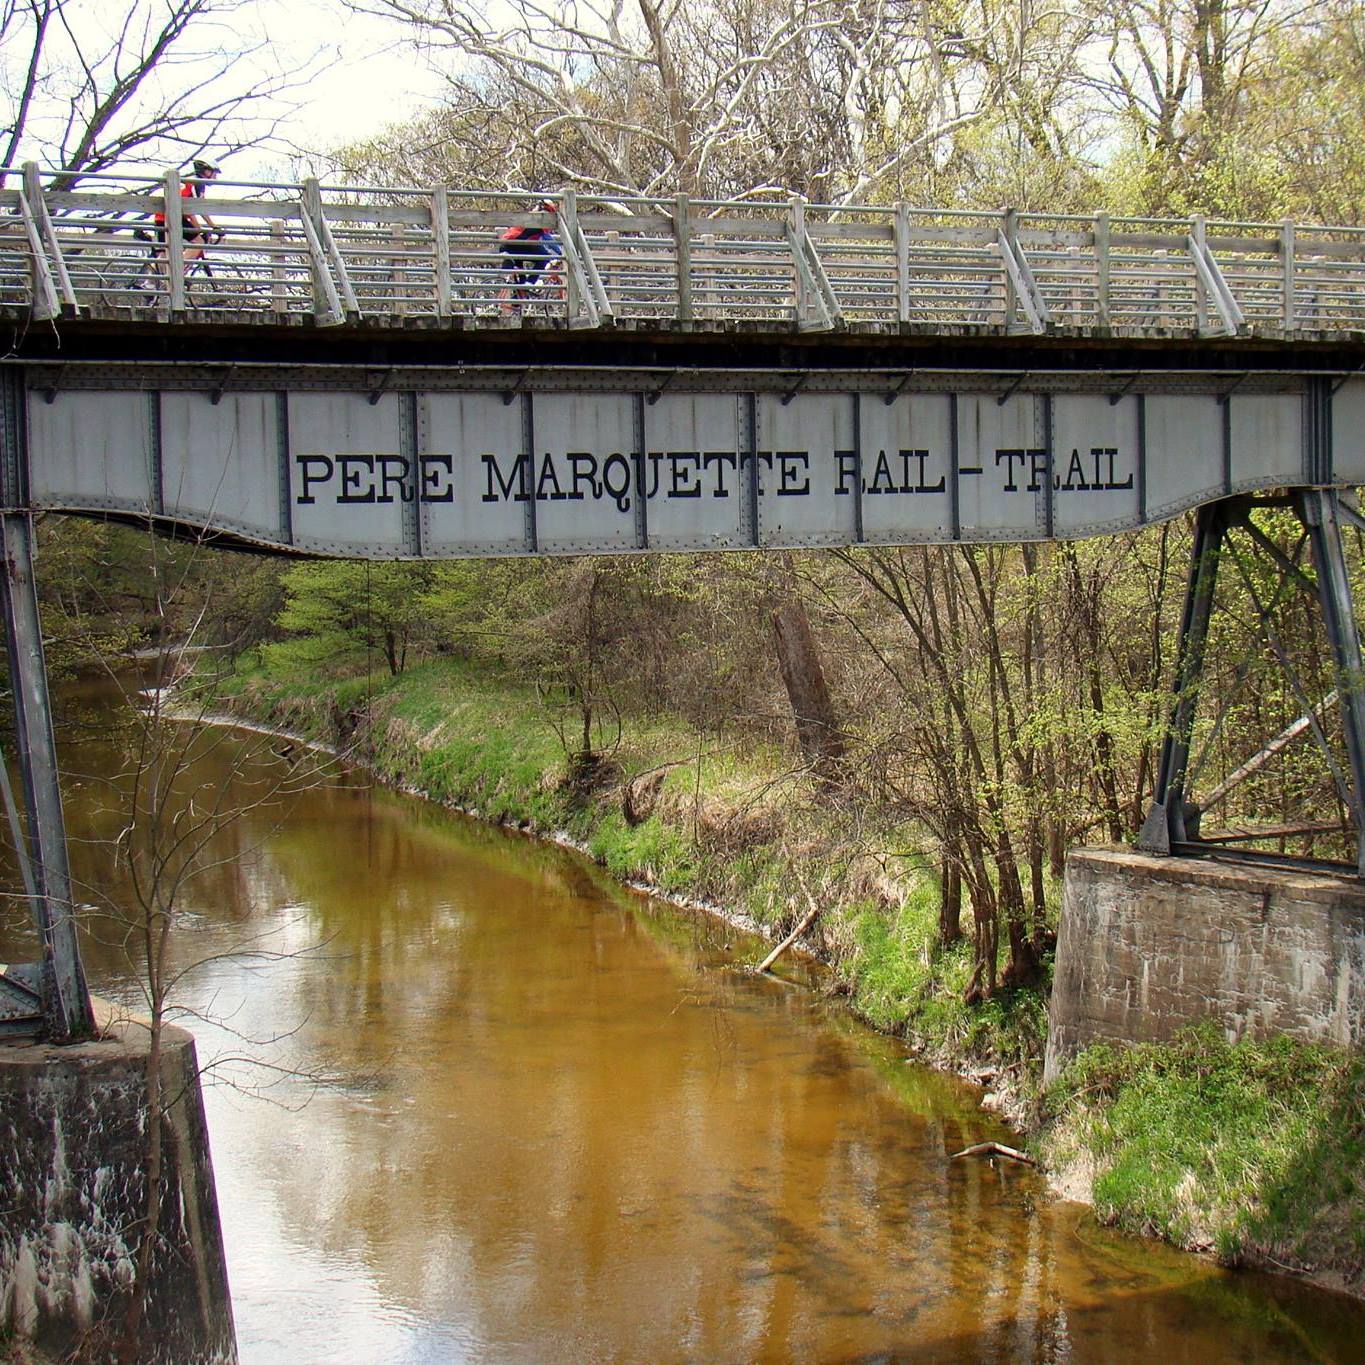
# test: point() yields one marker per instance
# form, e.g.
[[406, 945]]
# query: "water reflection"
[[560, 1125]]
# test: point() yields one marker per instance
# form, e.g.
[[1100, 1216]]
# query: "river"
[[471, 1101]]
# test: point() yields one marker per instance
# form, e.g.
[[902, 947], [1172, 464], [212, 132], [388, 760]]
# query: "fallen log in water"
[[994, 1149]]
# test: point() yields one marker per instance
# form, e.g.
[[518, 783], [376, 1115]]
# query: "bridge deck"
[[419, 260]]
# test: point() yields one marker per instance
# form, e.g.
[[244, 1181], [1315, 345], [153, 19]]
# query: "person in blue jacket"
[[526, 252]]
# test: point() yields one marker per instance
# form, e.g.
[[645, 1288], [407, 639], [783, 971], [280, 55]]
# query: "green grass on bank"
[[714, 817], [902, 981], [1254, 1150]]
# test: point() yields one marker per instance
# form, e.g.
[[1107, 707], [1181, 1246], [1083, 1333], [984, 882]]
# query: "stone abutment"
[[73, 1133], [1149, 945]]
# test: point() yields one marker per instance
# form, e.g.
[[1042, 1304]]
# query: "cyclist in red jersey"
[[201, 230]]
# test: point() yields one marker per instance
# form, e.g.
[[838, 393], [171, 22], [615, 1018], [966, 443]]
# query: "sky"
[[367, 77], [363, 74]]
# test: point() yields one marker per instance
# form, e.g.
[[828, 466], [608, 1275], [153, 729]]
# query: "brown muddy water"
[[471, 1101]]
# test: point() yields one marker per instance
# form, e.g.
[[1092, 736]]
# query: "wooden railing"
[[429, 257]]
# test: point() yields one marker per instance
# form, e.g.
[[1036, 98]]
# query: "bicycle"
[[539, 294], [195, 268], [132, 277]]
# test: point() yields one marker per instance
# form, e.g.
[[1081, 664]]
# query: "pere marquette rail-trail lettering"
[[349, 374]]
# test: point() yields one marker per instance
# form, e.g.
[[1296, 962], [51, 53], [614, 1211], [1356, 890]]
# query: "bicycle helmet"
[[203, 168], [547, 206]]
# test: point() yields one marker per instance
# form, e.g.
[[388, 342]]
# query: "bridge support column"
[[1172, 824], [1172, 820], [73, 1186], [65, 998], [1320, 511]]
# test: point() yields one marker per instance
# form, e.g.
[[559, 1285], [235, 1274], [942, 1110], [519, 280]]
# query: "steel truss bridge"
[[361, 373]]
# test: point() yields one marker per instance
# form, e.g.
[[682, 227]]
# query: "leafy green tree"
[[346, 611], [109, 589]]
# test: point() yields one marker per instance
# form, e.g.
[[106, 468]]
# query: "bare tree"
[[831, 98], [136, 82], [1175, 71]]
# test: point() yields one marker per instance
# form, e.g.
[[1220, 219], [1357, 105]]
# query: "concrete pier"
[[73, 1124], [1148, 945]]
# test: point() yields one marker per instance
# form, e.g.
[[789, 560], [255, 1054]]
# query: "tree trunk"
[[1106, 769], [986, 946], [949, 902], [1022, 968], [822, 740], [1037, 885], [1056, 847]]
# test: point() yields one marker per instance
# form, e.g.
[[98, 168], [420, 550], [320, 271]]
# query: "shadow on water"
[[1172, 1325]]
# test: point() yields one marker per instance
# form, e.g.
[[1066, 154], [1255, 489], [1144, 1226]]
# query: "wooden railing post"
[[611, 270], [47, 233], [1102, 270], [327, 299], [902, 261], [1201, 295], [398, 270], [1019, 279], [573, 283], [279, 297], [682, 240], [175, 241], [1215, 294], [1287, 264], [43, 290], [1009, 227], [589, 303], [440, 241]]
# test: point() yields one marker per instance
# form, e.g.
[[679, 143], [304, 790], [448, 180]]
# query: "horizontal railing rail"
[[334, 253]]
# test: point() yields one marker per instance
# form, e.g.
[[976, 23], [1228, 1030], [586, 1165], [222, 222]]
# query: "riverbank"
[[1251, 1152], [1247, 1153], [713, 820]]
